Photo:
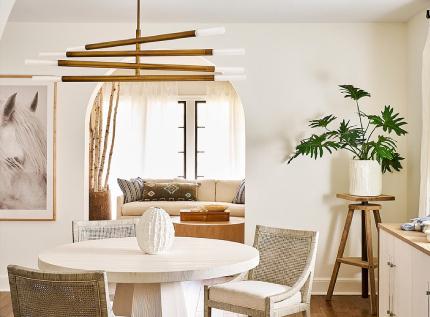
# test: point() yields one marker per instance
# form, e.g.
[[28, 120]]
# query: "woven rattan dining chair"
[[280, 285], [103, 229], [42, 294]]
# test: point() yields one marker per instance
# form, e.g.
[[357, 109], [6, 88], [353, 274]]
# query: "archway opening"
[[171, 132]]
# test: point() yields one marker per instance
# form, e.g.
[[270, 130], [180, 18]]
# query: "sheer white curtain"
[[145, 142], [223, 138], [425, 139], [147, 139]]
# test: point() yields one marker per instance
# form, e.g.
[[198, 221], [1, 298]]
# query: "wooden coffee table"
[[233, 230]]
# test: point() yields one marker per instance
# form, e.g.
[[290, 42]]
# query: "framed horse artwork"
[[27, 148]]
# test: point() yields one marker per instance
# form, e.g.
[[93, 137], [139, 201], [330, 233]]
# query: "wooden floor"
[[340, 306]]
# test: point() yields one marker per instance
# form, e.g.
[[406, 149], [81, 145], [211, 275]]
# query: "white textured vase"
[[154, 231], [365, 178]]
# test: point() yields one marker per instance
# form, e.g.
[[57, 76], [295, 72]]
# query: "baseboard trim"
[[344, 286]]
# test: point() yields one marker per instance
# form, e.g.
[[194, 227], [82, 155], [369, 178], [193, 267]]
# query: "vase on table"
[[100, 205], [154, 231]]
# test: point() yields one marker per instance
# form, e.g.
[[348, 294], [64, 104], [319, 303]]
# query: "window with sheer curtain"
[[161, 135]]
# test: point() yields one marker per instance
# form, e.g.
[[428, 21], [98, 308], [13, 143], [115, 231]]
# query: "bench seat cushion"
[[251, 294]]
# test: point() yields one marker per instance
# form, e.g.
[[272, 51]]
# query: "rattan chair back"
[[41, 294], [284, 254], [104, 229]]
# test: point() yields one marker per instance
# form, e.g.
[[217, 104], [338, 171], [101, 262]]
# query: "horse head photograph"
[[23, 152]]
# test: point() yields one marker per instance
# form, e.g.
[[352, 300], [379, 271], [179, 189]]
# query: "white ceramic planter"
[[154, 231], [365, 178]]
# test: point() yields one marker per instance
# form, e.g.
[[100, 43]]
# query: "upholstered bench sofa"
[[210, 191]]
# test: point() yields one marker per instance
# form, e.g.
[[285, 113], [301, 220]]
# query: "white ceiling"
[[217, 10]]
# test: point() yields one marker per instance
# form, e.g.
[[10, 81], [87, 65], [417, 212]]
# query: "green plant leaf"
[[315, 145], [352, 92], [392, 165], [389, 121], [349, 135], [383, 148], [323, 122]]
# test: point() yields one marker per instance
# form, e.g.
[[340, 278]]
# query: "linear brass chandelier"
[[95, 50]]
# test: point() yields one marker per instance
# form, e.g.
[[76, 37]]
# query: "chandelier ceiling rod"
[[138, 34]]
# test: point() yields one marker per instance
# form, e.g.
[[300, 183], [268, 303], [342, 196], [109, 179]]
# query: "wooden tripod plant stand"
[[367, 262]]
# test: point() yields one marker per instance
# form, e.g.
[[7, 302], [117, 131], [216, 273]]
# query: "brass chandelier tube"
[[142, 40], [122, 65], [141, 78], [184, 52]]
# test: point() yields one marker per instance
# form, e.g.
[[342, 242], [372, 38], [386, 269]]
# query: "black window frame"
[[196, 135], [184, 127]]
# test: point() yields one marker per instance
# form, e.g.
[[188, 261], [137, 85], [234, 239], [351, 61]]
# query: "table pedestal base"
[[179, 299], [150, 300]]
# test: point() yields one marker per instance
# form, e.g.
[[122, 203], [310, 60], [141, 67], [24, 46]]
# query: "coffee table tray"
[[204, 216]]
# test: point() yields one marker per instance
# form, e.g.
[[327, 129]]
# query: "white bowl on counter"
[[426, 229]]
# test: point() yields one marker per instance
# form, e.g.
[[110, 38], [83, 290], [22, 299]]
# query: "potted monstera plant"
[[370, 140]]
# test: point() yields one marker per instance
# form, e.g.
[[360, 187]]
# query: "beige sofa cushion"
[[226, 190], [137, 208], [206, 190], [158, 180], [251, 294]]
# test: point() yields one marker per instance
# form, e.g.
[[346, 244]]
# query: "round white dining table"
[[152, 285]]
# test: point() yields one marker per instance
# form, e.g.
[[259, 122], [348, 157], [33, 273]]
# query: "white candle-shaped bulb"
[[76, 48], [229, 70], [53, 54], [229, 77], [229, 51], [46, 78], [210, 31], [41, 62]]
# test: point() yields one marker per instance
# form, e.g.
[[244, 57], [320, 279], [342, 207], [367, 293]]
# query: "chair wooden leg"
[[340, 253], [307, 313], [373, 303]]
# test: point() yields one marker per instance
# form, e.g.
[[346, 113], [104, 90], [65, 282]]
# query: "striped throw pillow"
[[132, 189], [240, 194]]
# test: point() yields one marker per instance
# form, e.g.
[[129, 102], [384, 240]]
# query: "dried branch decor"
[[99, 163]]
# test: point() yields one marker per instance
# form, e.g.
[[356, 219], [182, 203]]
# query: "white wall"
[[293, 73], [5, 9], [417, 33]]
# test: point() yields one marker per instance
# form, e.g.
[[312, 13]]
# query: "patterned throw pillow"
[[132, 189], [170, 191], [240, 194]]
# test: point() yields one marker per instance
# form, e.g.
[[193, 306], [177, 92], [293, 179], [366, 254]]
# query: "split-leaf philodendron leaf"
[[359, 139]]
